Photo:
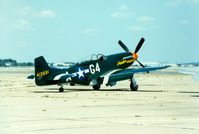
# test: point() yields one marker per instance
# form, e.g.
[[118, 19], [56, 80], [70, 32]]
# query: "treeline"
[[192, 64], [13, 63]]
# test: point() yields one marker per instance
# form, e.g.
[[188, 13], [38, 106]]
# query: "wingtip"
[[167, 66]]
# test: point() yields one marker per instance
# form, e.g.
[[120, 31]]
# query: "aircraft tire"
[[96, 87], [61, 89], [133, 87]]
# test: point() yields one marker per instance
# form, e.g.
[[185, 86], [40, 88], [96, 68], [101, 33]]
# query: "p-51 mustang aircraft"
[[99, 70]]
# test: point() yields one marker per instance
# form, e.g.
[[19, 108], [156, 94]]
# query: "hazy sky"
[[64, 30]]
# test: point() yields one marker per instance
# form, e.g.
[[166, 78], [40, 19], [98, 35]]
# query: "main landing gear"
[[133, 84], [96, 87]]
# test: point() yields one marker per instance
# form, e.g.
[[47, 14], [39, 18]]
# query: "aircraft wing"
[[128, 73]]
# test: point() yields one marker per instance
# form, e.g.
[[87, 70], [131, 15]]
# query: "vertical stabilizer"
[[42, 70]]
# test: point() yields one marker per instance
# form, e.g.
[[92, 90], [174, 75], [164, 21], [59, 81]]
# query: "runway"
[[167, 103]]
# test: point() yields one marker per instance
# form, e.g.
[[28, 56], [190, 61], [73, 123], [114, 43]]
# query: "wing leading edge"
[[128, 73]]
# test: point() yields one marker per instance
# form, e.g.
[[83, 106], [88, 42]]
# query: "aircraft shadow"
[[151, 91], [68, 90], [188, 92], [195, 94], [55, 90]]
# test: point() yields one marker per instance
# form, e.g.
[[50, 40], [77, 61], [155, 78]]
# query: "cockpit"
[[99, 57], [93, 57]]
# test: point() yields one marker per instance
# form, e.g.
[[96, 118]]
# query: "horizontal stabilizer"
[[31, 76]]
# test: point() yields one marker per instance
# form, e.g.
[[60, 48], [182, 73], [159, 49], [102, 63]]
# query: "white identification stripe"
[[86, 71], [74, 74], [59, 76], [106, 76]]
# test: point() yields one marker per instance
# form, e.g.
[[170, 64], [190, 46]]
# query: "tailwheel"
[[133, 85], [61, 89], [96, 87]]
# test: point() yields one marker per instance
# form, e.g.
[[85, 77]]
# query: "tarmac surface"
[[166, 103]]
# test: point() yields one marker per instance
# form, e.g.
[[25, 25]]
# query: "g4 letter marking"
[[97, 69], [93, 69]]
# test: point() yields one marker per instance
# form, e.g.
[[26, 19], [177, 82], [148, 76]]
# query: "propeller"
[[123, 46], [140, 63], [135, 55], [139, 45]]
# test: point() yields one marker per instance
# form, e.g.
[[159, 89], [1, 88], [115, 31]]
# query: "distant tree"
[[11, 62], [2, 64]]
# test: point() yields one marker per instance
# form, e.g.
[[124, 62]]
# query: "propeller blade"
[[140, 63], [123, 46], [139, 45]]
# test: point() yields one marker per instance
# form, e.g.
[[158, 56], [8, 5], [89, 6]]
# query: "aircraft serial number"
[[43, 73]]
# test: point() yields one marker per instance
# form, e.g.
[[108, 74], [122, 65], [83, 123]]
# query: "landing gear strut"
[[133, 85], [96, 87]]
